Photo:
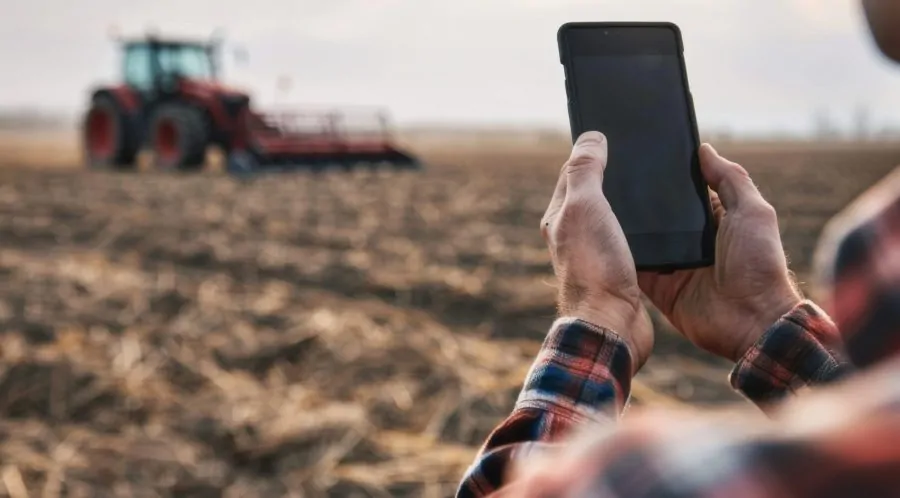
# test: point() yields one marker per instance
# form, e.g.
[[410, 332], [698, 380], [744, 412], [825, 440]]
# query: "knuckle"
[[737, 174], [575, 207], [763, 211], [545, 230], [739, 170], [765, 208], [768, 211], [582, 159]]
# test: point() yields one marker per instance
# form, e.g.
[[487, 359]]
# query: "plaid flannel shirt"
[[841, 441]]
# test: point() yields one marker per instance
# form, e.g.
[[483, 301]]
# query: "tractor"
[[170, 102]]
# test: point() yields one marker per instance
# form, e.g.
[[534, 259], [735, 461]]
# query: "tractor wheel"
[[106, 136], [178, 137]]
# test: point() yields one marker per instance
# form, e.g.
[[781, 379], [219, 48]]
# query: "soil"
[[333, 334]]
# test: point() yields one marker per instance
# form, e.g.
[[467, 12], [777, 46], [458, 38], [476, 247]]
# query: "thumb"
[[729, 180], [584, 169]]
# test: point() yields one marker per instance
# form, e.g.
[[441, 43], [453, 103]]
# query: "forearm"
[[799, 351], [582, 373]]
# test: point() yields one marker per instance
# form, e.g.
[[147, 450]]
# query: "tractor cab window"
[[138, 70], [188, 61]]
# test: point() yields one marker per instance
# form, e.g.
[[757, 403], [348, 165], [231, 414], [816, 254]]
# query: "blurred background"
[[358, 332]]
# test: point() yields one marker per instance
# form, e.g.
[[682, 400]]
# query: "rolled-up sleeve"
[[582, 373], [800, 350]]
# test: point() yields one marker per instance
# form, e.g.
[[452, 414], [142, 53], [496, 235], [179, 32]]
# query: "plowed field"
[[306, 335]]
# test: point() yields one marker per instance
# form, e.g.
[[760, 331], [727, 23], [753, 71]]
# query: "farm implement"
[[170, 102]]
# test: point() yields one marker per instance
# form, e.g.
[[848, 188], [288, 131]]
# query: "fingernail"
[[710, 149], [590, 138]]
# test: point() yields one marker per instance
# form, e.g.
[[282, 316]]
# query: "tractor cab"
[[153, 65]]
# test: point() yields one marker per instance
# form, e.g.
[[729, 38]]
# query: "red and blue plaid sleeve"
[[582, 374], [693, 455], [800, 350]]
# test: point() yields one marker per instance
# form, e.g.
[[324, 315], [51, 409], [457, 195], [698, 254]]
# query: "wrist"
[[626, 318], [615, 311], [764, 317]]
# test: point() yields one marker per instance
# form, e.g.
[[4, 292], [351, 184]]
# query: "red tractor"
[[171, 103]]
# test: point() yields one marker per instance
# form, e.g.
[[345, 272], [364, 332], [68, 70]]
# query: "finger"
[[729, 180], [556, 202], [718, 208], [584, 169], [647, 282]]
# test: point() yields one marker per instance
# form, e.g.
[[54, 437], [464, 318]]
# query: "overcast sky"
[[754, 64]]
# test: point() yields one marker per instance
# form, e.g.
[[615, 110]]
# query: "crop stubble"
[[336, 334]]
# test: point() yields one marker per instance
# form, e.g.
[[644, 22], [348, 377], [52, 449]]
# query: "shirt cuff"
[[583, 371], [797, 352]]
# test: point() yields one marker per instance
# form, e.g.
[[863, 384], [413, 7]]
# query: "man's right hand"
[[725, 309]]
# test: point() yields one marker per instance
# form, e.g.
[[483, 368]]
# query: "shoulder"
[[851, 236]]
